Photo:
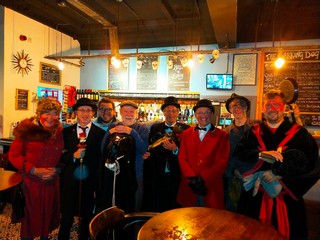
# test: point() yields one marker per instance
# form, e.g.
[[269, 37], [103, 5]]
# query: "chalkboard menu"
[[178, 74], [147, 73], [22, 99], [118, 77], [304, 67], [50, 74]]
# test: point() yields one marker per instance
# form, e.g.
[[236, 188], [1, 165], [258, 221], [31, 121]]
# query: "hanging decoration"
[[215, 55], [22, 63]]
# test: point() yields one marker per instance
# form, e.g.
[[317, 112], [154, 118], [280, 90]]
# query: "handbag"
[[19, 200]]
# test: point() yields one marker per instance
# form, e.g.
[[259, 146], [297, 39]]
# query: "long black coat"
[[162, 187], [70, 185], [298, 174]]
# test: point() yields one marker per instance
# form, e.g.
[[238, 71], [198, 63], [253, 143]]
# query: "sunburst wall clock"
[[22, 62]]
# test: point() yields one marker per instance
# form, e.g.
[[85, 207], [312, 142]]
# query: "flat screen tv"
[[219, 81]]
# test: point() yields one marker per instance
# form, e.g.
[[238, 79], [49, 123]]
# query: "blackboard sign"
[[118, 77], [304, 67], [147, 72], [178, 74], [22, 99], [50, 74]]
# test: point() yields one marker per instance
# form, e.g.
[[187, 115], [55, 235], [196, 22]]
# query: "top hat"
[[84, 102], [204, 103], [240, 98], [170, 101], [129, 103]]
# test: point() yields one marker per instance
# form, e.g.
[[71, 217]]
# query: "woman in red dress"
[[36, 152]]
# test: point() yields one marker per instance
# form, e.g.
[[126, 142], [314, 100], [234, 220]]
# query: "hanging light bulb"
[[279, 62], [60, 65], [190, 63]]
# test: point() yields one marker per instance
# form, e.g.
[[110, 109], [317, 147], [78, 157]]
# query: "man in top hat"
[[81, 158], [238, 106], [161, 170], [127, 192], [203, 156]]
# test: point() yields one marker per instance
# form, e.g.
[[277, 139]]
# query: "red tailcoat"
[[41, 149], [207, 158]]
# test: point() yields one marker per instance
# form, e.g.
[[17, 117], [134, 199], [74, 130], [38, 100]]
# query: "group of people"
[[257, 168]]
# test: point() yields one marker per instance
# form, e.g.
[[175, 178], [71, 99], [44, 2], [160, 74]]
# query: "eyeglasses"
[[84, 111], [171, 111], [105, 109], [273, 106], [204, 113], [239, 105]]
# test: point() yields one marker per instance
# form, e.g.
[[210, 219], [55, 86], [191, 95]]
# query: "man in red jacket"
[[203, 156]]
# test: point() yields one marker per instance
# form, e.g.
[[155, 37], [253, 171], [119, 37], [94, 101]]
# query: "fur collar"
[[29, 130]]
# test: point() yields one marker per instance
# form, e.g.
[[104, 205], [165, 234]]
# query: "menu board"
[[50, 74], [22, 99], [118, 77], [304, 67], [178, 74], [147, 73]]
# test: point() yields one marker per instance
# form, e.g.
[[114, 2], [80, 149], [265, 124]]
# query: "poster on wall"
[[178, 73], [245, 69], [118, 74], [147, 72]]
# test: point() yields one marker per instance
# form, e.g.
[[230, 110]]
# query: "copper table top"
[[195, 223], [9, 179]]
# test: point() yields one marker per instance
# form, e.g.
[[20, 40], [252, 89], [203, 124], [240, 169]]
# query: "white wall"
[[41, 41]]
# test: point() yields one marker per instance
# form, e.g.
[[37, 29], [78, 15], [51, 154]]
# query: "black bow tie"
[[199, 128], [167, 127]]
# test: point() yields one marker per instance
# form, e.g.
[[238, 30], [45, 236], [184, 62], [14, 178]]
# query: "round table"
[[9, 179], [200, 223]]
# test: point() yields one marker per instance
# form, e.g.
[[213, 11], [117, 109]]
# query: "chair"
[[112, 224]]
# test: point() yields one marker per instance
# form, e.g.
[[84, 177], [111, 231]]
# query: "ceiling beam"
[[223, 15], [113, 33]]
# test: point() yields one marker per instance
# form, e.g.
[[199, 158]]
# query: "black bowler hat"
[[84, 102], [240, 98], [170, 101], [204, 103]]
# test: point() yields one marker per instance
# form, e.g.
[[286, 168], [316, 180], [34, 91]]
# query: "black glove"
[[198, 186]]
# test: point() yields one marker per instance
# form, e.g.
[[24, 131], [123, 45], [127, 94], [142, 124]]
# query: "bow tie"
[[168, 127], [199, 128]]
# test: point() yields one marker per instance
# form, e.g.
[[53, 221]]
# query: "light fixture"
[[61, 3], [60, 65], [190, 63], [279, 62]]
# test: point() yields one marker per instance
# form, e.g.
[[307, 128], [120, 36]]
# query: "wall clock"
[[22, 63]]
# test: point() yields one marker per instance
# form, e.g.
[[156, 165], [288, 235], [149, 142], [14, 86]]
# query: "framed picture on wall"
[[22, 99], [245, 69]]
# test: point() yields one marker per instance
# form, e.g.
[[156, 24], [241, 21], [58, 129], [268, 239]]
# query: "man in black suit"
[[81, 158], [161, 168]]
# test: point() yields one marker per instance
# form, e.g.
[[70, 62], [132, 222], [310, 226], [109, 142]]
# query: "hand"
[[80, 153], [269, 155], [45, 174], [198, 186], [146, 155], [121, 129], [169, 144]]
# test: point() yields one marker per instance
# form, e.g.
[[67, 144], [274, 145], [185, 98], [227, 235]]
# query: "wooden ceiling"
[[131, 24]]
